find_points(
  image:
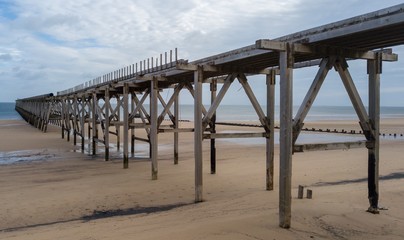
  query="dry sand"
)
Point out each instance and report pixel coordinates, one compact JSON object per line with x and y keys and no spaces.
{"x":71,"y":195}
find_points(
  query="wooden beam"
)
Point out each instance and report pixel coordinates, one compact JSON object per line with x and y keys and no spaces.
{"x":235,"y":135}
{"x":82,"y":122}
{"x":257,"y":107}
{"x":176,"y":126}
{"x":213,"y":89}
{"x":324,"y":50}
{"x":328,"y":146}
{"x":125,"y":126}
{"x":311,"y":95}
{"x":153,"y":127}
{"x":94,"y":123}
{"x":342,"y":68}
{"x":208,"y":116}
{"x":107,"y":124}
{"x":285,"y":137}
{"x":270,"y":145}
{"x":374,"y":71}
{"x":198,"y":79}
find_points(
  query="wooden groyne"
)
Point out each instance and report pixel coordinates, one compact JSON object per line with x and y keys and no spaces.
{"x":115,"y":103}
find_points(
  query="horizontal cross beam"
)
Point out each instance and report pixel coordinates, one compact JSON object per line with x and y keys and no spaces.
{"x":324,"y":50}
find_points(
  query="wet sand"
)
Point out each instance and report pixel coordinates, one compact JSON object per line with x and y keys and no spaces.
{"x":72,"y":195}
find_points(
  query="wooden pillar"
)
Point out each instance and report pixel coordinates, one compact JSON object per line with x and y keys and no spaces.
{"x":118,"y":127}
{"x":89,"y":105}
{"x":68,"y":119}
{"x":125,"y":125}
{"x":213,"y":89}
{"x":106,"y":131}
{"x":153,"y":126}
{"x":132,"y":129}
{"x":83,"y":120}
{"x":198,"y":78}
{"x":374,"y":71}
{"x":176,"y":122}
{"x":75,"y":120}
{"x":285,"y":138}
{"x":62,"y":116}
{"x":94,"y":123}
{"x":270,"y":146}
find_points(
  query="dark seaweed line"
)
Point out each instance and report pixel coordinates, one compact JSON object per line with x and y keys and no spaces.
{"x":391,"y":176}
{"x":104,"y":214}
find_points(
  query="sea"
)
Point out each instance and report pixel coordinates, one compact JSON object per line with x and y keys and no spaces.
{"x":247,"y":113}
{"x":7,"y":111}
{"x":226,"y":113}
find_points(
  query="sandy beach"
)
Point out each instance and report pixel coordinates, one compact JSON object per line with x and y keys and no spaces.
{"x":73,"y":195}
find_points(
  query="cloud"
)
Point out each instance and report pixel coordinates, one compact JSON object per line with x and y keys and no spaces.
{"x":58,"y":44}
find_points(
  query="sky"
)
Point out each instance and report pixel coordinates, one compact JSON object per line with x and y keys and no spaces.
{"x":49,"y":46}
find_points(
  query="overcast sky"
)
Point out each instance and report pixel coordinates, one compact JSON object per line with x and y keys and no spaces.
{"x":49,"y":46}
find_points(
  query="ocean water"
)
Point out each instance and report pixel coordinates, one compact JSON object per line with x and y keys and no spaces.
{"x":7,"y":111}
{"x":247,"y":113}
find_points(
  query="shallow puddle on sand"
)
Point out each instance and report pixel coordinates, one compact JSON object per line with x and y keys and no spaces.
{"x":12,"y":157}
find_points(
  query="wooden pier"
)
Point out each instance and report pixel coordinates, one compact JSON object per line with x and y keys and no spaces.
{"x":115,"y":103}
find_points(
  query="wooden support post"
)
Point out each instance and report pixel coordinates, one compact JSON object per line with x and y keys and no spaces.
{"x":153,"y":126}
{"x":82,"y":122}
{"x":270,"y":146}
{"x":374,"y":71}
{"x":300,"y":192}
{"x":285,"y":138}
{"x":118,"y":127}
{"x":125,"y":125}
{"x":309,"y":194}
{"x":94,"y":123}
{"x":75,"y":120}
{"x":132,"y":130}
{"x":68,"y":120}
{"x":176,"y":122}
{"x":62,"y":116}
{"x":213,"y":89}
{"x":107,"y":122}
{"x":198,"y":79}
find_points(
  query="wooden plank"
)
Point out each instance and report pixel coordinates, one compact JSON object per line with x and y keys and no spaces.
{"x":328,"y":146}
{"x":285,"y":137}
{"x":175,"y":130}
{"x":235,"y":135}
